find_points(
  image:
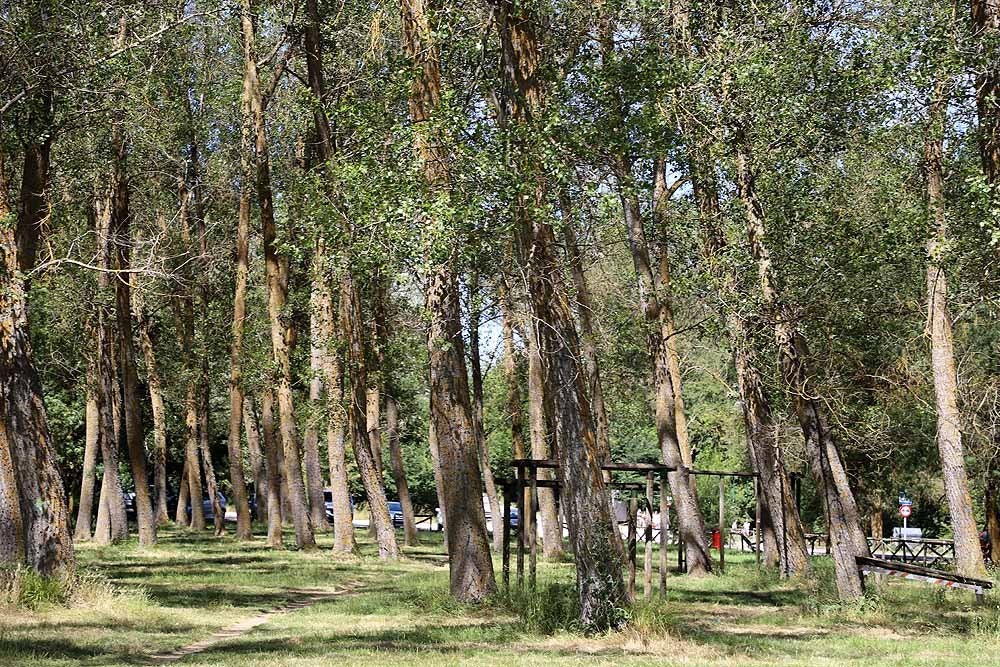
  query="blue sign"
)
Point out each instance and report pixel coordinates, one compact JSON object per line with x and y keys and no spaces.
{"x":903,"y":500}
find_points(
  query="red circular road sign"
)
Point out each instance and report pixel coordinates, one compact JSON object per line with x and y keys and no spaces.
{"x":905,"y":511}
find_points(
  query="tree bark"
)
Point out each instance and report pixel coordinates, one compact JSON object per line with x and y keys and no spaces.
{"x":410,"y":536}
{"x":846,"y":535}
{"x":255,"y":450}
{"x":986,"y":26}
{"x":272,"y":450}
{"x":471,"y":564}
{"x":585,"y":500}
{"x":121,"y":231}
{"x":968,"y":556}
{"x":510,"y":371}
{"x":766,"y":456}
{"x":161,"y":514}
{"x":539,"y":418}
{"x":318,"y":351}
{"x":350,"y":317}
{"x":475,"y":316}
{"x":588,"y":339}
{"x":992,"y":516}
{"x":83,"y":531}
{"x":343,"y":527}
{"x":276,"y":270}
{"x":438,"y":476}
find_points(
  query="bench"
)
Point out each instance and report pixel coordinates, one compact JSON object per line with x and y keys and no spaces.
{"x":925,"y":574}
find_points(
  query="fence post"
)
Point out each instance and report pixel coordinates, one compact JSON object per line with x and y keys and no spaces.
{"x":664,"y":518}
{"x":722,"y":524}
{"x":633,"y":508}
{"x":647,"y":570}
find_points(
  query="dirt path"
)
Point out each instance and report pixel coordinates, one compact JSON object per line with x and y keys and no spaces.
{"x":305,"y":598}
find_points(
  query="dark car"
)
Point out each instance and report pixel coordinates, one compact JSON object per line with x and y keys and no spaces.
{"x":328,"y":505}
{"x":206,"y":507}
{"x":396,"y":513}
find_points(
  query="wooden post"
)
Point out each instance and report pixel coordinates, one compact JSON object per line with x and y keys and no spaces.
{"x":632,"y":511}
{"x":506,"y":538}
{"x":722,"y":524}
{"x":522,"y":519}
{"x":756,"y":532}
{"x":664,"y":508}
{"x":533,"y":536}
{"x":647,"y":569}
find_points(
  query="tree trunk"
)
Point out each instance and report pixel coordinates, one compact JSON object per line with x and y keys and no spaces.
{"x":539,"y":415}
{"x":410,"y":536}
{"x":654,"y":304}
{"x":432,"y":443}
{"x":496,"y":509}
{"x":992,"y":515}
{"x":587,"y":506}
{"x":204,"y":445}
{"x":588,"y":341}
{"x":470,"y":561}
{"x":276,"y":270}
{"x":83,"y":531}
{"x":114,"y":527}
{"x":318,"y":351}
{"x":350,"y":316}
{"x":846,"y":535}
{"x":343,"y":527}
{"x":121,"y":231}
{"x":244,"y":530}
{"x":255,"y":450}
{"x":161,"y":514}
{"x":512,"y":377}
{"x":968,"y":556}
{"x":986,"y":25}
{"x":272,"y":450}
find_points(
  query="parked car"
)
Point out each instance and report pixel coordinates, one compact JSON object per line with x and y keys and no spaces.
{"x":515,"y":519}
{"x":130,"y":511}
{"x":396,"y":513}
{"x":328,"y":504}
{"x":206,"y":507}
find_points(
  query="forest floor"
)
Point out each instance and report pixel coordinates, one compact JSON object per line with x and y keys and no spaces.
{"x":138,"y":606}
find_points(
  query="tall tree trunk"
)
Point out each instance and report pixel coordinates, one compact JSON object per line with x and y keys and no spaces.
{"x":410,"y":536}
{"x":161,"y":515}
{"x":968,"y":556}
{"x":766,"y":456}
{"x":992,"y":514}
{"x":241,"y":270}
{"x":114,"y":528}
{"x":585,"y":500}
{"x":37,"y":530}
{"x":432,"y":443}
{"x":539,"y":418}
{"x":255,"y":450}
{"x":276,"y":270}
{"x":471,"y":565}
{"x":512,"y":377}
{"x":121,"y":231}
{"x":846,"y":535}
{"x":343,"y":527}
{"x":654,"y":304}
{"x":588,"y":340}
{"x":85,"y":510}
{"x":350,"y":317}
{"x":475,"y":317}
{"x":318,"y":351}
{"x":986,"y":24}
{"x":272,"y":451}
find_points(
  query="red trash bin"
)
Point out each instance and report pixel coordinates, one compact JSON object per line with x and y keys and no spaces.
{"x":716,"y":540}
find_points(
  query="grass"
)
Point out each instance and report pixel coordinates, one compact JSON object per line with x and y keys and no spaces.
{"x":130,"y":603}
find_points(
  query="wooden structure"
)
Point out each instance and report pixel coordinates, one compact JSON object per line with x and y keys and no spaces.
{"x":925,"y":574}
{"x":524,"y":488}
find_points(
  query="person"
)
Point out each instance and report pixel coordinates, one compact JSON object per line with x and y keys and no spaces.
{"x":986,"y":545}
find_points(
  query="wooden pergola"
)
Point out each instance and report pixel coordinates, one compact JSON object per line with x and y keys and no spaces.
{"x":524,"y":487}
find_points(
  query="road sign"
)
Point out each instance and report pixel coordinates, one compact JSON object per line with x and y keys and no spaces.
{"x":905,"y":510}
{"x":904,"y":500}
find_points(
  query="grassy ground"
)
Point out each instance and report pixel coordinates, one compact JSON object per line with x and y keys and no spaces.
{"x":135,"y":603}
